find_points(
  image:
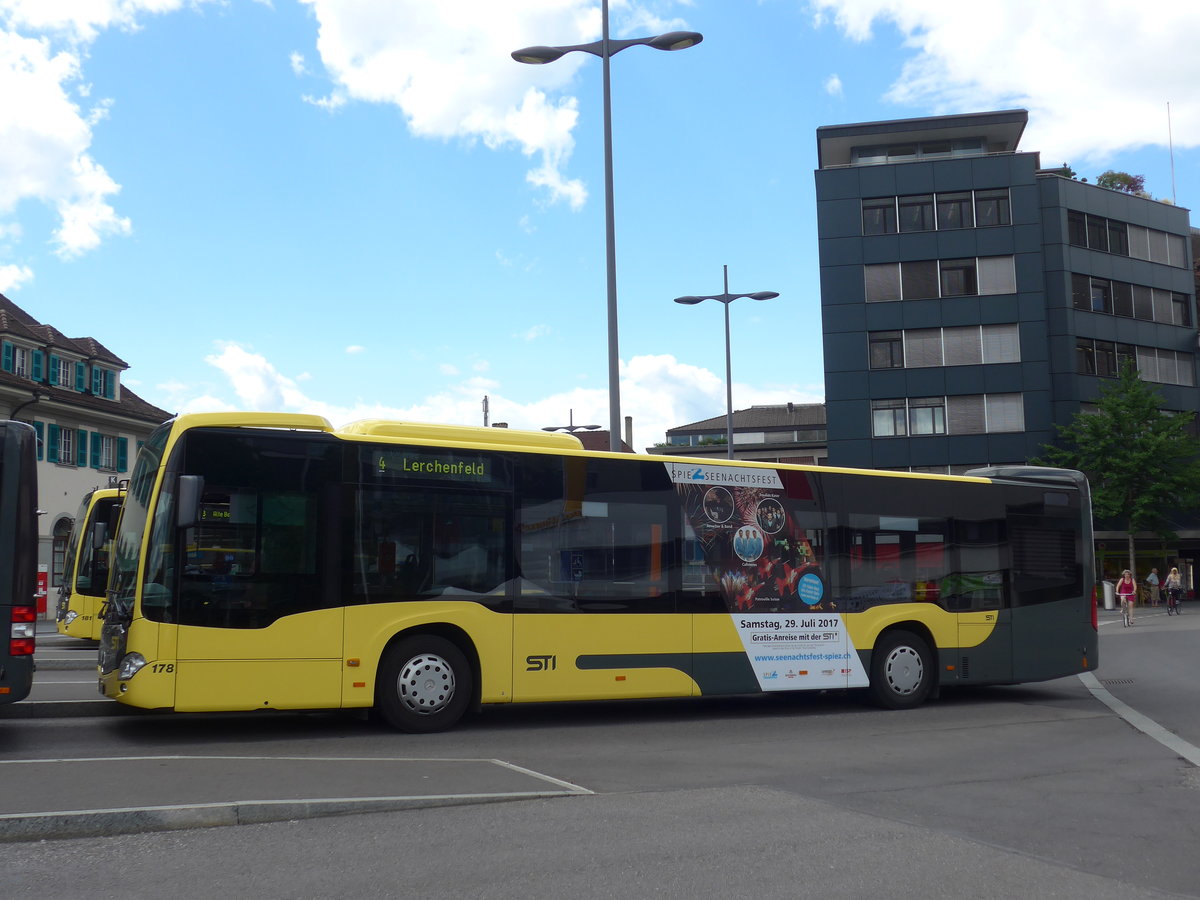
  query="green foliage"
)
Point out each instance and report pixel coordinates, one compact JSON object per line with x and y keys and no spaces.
{"x":1122,"y":181}
{"x":1065,"y":171}
{"x":1142,"y":464}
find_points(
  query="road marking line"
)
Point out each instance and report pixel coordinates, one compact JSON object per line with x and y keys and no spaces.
{"x":1144,"y":724}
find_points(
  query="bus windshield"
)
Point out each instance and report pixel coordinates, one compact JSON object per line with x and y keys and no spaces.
{"x":128,"y":542}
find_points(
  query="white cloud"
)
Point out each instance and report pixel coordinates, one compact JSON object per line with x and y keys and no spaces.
{"x":355,"y":349}
{"x":297,"y":62}
{"x":532,"y":334}
{"x":833,"y":85}
{"x":447,"y":67}
{"x":1095,"y":77}
{"x":13,"y":276}
{"x":658,"y":392}
{"x":45,"y":135}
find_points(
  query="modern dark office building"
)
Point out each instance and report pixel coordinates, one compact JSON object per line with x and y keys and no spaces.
{"x":971,"y":300}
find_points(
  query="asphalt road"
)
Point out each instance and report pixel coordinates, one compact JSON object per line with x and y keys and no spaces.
{"x":1032,"y":791}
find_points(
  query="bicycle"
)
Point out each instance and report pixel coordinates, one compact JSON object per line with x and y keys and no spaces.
{"x":1173,"y":603}
{"x":1126,"y":612}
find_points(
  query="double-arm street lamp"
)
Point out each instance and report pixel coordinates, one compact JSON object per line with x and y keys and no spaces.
{"x":605,"y":48}
{"x":726,"y":298}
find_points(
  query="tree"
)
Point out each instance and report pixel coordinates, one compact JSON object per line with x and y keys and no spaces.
{"x":1122,"y":181}
{"x":1141,"y":462}
{"x":1064,"y":170}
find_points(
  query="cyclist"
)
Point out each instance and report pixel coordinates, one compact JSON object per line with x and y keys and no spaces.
{"x":1127,"y":592}
{"x":1174,"y":585}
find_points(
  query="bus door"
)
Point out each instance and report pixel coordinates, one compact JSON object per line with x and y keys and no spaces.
{"x":259,"y":617}
{"x":595,"y":613}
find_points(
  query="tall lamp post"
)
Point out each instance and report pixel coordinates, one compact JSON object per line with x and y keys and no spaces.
{"x":726,"y":298}
{"x":605,"y":48}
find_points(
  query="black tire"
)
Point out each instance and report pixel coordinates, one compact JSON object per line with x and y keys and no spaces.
{"x":902,"y":671}
{"x":424,"y":684}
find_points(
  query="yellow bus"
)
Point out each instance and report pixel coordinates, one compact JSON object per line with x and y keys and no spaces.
{"x":270,"y":561}
{"x":85,"y":565}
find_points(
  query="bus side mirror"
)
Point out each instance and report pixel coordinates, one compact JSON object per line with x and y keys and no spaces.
{"x":99,"y":535}
{"x":187,"y":508}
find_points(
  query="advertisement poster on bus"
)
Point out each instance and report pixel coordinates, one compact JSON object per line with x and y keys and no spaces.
{"x":769,"y":577}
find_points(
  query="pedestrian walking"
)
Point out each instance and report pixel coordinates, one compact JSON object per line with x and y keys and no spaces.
{"x":1127,"y":592}
{"x":1152,"y":583}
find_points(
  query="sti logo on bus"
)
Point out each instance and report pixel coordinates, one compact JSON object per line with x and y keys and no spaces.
{"x":541,"y":663}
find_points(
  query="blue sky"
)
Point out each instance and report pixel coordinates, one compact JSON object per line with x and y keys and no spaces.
{"x":365,"y":208}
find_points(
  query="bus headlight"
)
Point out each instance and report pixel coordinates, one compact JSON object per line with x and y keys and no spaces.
{"x":70,"y":617}
{"x":130,"y":666}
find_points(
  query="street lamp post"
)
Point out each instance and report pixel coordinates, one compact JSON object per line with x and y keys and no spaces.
{"x":605,"y":48}
{"x":726,"y":298}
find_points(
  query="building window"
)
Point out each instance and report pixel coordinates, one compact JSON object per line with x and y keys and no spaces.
{"x":66,"y":446}
{"x":1123,"y":239}
{"x":886,"y":350}
{"x":1118,"y":238}
{"x":928,"y":279}
{"x":991,"y":208}
{"x":958,"y":278}
{"x":882,"y":281}
{"x":21,"y":362}
{"x":954,"y":211}
{"x":887,"y":418}
{"x":1180,"y":310}
{"x":916,"y":213}
{"x":1005,"y":413}
{"x":64,"y":372}
{"x":919,"y":279}
{"x":927,"y":415}
{"x":1101,"y":296}
{"x":962,"y":346}
{"x":1106,"y":359}
{"x":1077,"y":228}
{"x":923,"y":348}
{"x":104,"y":451}
{"x":997,"y":275}
{"x":879,"y":216}
{"x":1001,"y":344}
{"x":1097,"y":233}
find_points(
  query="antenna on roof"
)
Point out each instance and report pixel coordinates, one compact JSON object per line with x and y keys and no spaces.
{"x":1171,"y":149}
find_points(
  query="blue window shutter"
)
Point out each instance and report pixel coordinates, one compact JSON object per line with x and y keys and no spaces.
{"x":53,"y":369}
{"x":8,"y":356}
{"x":40,"y":428}
{"x":52,"y":443}
{"x":81,"y":448}
{"x":110,"y":385}
{"x":80,"y":376}
{"x":97,"y":381}
{"x":122,"y":454}
{"x":96,"y":441}
{"x":38,"y":360}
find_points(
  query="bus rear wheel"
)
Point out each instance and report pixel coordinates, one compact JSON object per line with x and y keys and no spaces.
{"x":424,"y":684}
{"x":902,"y":671}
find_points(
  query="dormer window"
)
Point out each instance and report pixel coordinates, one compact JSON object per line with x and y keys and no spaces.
{"x":63,"y":373}
{"x":104,"y":383}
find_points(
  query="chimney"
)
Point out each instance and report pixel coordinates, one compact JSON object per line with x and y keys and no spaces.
{"x":629,"y":431}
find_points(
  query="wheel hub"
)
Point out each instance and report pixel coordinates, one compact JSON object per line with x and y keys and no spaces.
{"x":425,"y":684}
{"x":904,"y":670}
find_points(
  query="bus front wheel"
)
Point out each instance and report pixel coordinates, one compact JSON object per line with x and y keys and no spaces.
{"x":424,"y":684}
{"x":902,"y":670}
